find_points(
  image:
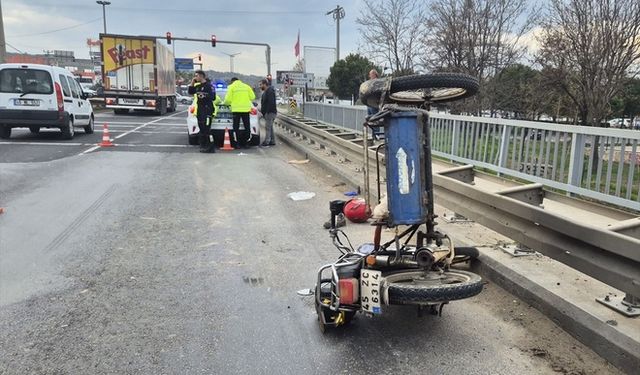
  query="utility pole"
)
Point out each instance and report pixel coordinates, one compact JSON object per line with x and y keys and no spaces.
{"x":104,"y":13}
{"x":231,"y":56}
{"x":338,"y":14}
{"x":3,"y":42}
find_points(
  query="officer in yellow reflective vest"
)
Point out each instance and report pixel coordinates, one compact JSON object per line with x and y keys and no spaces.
{"x":239,"y":96}
{"x":203,"y":99}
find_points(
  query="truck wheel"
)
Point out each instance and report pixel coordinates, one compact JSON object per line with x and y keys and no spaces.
{"x":34,"y":129}
{"x":413,"y":287}
{"x":172,"y":104}
{"x":68,"y":131}
{"x":161,"y":107}
{"x":5,"y":132}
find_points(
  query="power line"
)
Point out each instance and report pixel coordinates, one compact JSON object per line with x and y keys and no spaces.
{"x":13,"y":47}
{"x":54,"y":31}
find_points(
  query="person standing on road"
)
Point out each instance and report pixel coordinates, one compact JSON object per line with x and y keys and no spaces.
{"x":203,"y":98}
{"x":269,"y":111}
{"x":239,"y":97}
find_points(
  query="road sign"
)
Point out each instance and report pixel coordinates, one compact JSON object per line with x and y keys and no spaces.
{"x":294,"y":79}
{"x":184,"y":64}
{"x":293,"y":103}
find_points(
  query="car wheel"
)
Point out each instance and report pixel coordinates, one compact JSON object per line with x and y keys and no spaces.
{"x":88,"y":129}
{"x":184,"y":101}
{"x":5,"y":132}
{"x":68,"y":131}
{"x":34,"y":129}
{"x":193,"y":140}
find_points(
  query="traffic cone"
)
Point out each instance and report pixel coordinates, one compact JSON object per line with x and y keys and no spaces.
{"x":106,"y":141}
{"x":226,"y":146}
{"x":1,"y":210}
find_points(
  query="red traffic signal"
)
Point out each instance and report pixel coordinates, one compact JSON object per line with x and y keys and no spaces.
{"x":213,"y":40}
{"x":199,"y":57}
{"x":168,"y":37}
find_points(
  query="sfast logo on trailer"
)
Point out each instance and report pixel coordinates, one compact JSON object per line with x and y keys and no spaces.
{"x":121,"y":52}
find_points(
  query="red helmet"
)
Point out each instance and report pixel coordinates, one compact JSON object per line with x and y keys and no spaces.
{"x":356,"y":210}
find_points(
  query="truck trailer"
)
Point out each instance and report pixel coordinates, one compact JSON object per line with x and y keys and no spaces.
{"x":138,"y":72}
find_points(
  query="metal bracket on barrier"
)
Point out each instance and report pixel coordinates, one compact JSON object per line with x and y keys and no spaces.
{"x":455,"y":218}
{"x":463,"y":173}
{"x":517,"y":250}
{"x":629,"y":227}
{"x":628,"y":305}
{"x":532,"y":193}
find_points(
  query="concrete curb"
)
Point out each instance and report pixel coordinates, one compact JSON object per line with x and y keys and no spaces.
{"x":609,"y":343}
{"x":618,"y":349}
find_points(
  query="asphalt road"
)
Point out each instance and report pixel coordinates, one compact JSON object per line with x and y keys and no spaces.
{"x":150,"y":258}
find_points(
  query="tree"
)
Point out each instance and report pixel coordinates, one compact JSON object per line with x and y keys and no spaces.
{"x":391,"y":31}
{"x":347,"y":75}
{"x":476,"y":37}
{"x":515,"y":88}
{"x":299,"y":66}
{"x":588,"y":48}
{"x":627,"y":103}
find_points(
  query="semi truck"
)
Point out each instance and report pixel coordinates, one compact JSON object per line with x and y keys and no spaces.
{"x":138,"y":72}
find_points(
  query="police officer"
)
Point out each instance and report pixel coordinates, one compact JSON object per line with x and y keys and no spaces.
{"x":203,"y":99}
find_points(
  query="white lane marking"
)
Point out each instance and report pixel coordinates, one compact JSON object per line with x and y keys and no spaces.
{"x":134,"y":129}
{"x":142,"y":132}
{"x":143,"y":123}
{"x":43,"y":144}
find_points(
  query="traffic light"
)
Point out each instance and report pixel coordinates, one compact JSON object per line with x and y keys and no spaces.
{"x":168,"y":37}
{"x":213,"y":40}
{"x":199,"y":57}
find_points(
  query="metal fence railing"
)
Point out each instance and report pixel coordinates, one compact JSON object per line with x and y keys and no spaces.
{"x":558,"y":156}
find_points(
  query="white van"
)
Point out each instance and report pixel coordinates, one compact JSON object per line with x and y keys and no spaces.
{"x":41,"y":96}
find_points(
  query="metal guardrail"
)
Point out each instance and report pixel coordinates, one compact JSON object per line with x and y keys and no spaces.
{"x":608,"y":255}
{"x":555,"y":155}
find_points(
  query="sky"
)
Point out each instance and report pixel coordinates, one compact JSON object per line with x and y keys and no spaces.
{"x":33,"y":26}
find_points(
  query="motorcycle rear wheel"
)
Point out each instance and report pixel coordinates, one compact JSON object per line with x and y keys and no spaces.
{"x":414,"y":287}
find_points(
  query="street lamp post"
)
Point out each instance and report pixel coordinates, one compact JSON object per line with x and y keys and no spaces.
{"x":104,"y":13}
{"x":231,"y":56}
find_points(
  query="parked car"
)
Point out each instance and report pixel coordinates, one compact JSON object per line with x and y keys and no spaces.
{"x":41,"y":96}
{"x":183,"y":99}
{"x":223,"y":120}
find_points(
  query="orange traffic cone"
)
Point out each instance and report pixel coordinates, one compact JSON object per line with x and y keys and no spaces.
{"x":226,"y":146}
{"x":106,"y":141}
{"x":1,"y":210}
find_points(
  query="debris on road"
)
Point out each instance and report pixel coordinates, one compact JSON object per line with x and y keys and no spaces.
{"x":301,"y":195}
{"x":305,"y":161}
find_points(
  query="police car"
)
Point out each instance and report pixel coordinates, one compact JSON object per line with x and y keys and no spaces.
{"x":223,"y":120}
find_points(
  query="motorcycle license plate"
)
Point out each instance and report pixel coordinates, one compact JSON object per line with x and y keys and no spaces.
{"x":370,"y":291}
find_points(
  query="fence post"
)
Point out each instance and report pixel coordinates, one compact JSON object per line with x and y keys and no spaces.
{"x":455,"y":138}
{"x":503,"y":155}
{"x":576,"y":160}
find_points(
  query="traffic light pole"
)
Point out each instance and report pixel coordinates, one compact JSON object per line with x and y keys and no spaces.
{"x":268,"y":47}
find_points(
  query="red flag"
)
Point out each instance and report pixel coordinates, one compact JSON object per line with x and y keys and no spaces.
{"x":296,"y":48}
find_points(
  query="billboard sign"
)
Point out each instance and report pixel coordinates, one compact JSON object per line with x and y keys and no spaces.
{"x":184,"y":64}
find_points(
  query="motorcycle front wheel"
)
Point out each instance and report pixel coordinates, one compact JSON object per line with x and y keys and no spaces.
{"x":413,"y":287}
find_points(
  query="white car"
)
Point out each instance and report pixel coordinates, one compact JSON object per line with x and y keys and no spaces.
{"x":223,"y":120}
{"x":183,"y":99}
{"x":41,"y":96}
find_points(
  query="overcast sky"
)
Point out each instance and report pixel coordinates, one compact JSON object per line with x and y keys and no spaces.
{"x":30,"y":26}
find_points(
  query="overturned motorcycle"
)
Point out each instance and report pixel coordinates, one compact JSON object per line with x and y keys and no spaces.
{"x":399,"y":271}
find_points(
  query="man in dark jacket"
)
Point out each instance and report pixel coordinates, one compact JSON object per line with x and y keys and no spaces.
{"x":269,"y":111}
{"x":203,"y":97}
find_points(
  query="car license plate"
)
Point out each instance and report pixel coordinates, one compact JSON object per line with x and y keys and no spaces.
{"x":370,"y":291}
{"x":26,"y":102}
{"x":130,"y":101}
